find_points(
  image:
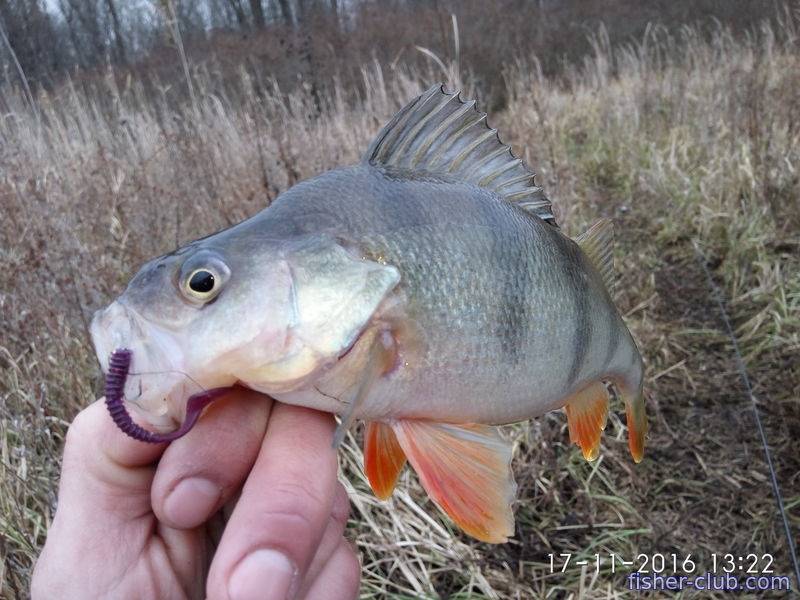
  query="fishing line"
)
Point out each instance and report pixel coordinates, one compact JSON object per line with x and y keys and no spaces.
{"x":168,"y":372}
{"x":776,"y":490}
{"x":119,"y":363}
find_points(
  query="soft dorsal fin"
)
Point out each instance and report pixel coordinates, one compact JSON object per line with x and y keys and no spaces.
{"x":597,"y":243}
{"x":440,"y":133}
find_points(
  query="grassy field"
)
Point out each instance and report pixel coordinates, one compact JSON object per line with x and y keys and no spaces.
{"x":681,"y":140}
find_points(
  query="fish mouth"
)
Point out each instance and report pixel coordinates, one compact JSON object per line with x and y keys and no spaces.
{"x":156,"y":386}
{"x":119,"y":363}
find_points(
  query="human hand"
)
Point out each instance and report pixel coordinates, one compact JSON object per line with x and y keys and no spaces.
{"x":136,"y":520}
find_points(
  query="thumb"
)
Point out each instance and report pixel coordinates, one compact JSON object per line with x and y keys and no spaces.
{"x":105,"y":475}
{"x":103,"y":495}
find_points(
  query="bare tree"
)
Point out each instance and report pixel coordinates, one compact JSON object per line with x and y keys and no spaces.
{"x":286,"y":11}
{"x":89,"y":30}
{"x":257,"y":9}
{"x":73,"y":31}
{"x":238,"y":10}
{"x":118,"y":37}
{"x":30,"y":33}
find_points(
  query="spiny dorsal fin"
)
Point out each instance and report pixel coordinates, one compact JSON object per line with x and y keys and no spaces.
{"x":440,"y":133}
{"x":597,"y":243}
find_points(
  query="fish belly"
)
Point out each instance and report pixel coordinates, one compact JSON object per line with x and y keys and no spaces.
{"x":477,"y":380}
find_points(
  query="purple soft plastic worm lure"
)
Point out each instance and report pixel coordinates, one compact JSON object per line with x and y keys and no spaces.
{"x":118,"y":364}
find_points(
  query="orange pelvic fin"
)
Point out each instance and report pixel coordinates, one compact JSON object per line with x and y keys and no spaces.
{"x":383,"y":458}
{"x":466,"y":471}
{"x":587,"y":412}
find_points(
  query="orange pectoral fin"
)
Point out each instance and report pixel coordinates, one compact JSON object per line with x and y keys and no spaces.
{"x":383,"y":459}
{"x":466,"y":471}
{"x":587,"y":412}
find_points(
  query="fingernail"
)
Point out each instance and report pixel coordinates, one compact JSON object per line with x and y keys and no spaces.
{"x":262,"y":575}
{"x":191,"y":502}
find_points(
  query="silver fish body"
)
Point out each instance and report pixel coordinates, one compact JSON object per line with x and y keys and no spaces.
{"x":426,"y":290}
{"x":509,"y":317}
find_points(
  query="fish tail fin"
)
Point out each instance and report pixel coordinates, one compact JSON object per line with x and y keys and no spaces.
{"x":636,"y":418}
{"x":597,"y":243}
{"x":587,"y":412}
{"x":637,"y":425}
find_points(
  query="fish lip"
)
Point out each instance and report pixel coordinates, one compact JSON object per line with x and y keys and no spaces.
{"x":159,"y":401}
{"x":136,"y":324}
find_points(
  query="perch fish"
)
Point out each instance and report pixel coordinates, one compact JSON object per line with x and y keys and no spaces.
{"x":427,"y":291}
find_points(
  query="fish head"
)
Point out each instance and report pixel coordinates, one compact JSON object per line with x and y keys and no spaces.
{"x":194,"y":320}
{"x":268,"y":314}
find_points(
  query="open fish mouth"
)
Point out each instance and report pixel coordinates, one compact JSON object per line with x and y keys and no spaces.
{"x":118,"y":366}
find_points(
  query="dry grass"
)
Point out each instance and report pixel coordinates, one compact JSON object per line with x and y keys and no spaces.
{"x":678,"y":139}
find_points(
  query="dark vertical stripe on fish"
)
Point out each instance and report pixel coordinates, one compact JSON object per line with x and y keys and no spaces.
{"x":512,"y":318}
{"x":583,"y":331}
{"x":615,"y":336}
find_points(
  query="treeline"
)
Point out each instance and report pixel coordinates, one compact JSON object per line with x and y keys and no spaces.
{"x":49,"y":36}
{"x":315,"y":41}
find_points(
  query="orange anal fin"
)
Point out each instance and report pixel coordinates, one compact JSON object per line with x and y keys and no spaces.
{"x":587,"y":412}
{"x":466,"y":471}
{"x":637,"y":424}
{"x":383,"y":458}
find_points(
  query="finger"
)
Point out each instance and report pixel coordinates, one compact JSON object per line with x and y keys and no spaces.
{"x":105,"y":474}
{"x":285,"y":505}
{"x":202,"y":470}
{"x":340,"y":578}
{"x":330,"y":539}
{"x":104,"y":494}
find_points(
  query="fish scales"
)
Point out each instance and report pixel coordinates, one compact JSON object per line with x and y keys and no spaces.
{"x":485,"y":281}
{"x":426,"y":291}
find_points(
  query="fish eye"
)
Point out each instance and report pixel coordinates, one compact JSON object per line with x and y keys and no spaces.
{"x":202,"y":284}
{"x":202,"y":281}
{"x":202,"y":277}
